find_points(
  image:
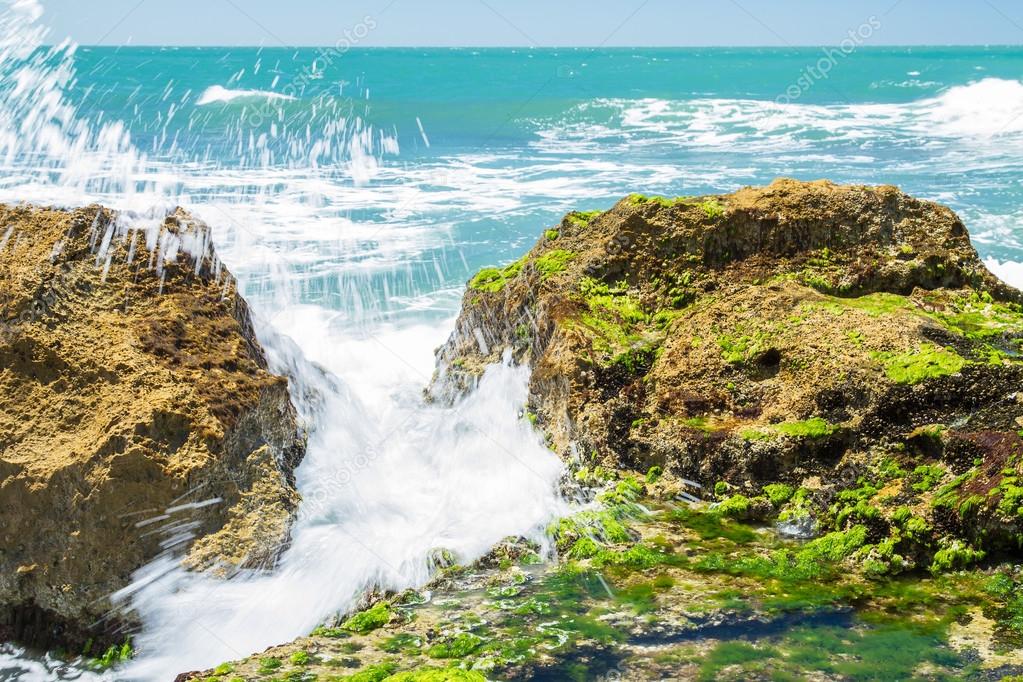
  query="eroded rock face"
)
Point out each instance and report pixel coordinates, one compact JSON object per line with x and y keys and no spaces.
{"x":137,"y":416}
{"x":811,"y":334}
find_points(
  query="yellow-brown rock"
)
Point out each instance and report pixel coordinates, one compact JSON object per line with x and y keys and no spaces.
{"x":137,"y":416}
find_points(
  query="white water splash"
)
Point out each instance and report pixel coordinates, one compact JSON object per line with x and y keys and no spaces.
{"x":386,"y":483}
{"x":387,"y":479}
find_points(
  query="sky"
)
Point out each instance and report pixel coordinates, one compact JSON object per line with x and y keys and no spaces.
{"x":536,"y":23}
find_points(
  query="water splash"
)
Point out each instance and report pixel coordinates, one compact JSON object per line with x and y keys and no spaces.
{"x":387,"y":479}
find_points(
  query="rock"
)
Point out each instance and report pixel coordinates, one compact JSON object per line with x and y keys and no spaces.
{"x":773,"y":335}
{"x":137,"y":416}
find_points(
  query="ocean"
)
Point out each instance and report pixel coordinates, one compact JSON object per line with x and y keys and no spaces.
{"x":354,"y":192}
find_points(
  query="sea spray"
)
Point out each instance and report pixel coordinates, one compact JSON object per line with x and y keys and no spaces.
{"x":387,"y":482}
{"x":388,"y":479}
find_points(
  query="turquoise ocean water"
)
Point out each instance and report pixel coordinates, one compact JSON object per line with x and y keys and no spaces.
{"x":354,"y":194}
{"x":464,"y":155}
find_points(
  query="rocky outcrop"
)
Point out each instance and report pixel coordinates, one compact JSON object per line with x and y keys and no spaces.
{"x":843,"y":341}
{"x":137,"y":416}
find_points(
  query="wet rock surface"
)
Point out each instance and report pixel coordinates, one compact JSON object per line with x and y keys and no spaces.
{"x":137,"y":416}
{"x":648,"y":589}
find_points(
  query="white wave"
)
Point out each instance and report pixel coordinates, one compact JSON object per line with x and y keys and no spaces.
{"x":988,"y":112}
{"x":218,"y":93}
{"x":1010,"y":272}
{"x":992,"y":107}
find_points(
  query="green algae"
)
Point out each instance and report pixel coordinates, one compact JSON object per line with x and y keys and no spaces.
{"x":437,"y":675}
{"x":403,"y":643}
{"x":978,"y":317}
{"x":879,"y":304}
{"x":614,"y":299}
{"x":955,"y":554}
{"x":737,"y":349}
{"x":114,"y":655}
{"x":863,"y":653}
{"x":459,"y":646}
{"x":616,"y":322}
{"x":582,"y":218}
{"x":624,"y":492}
{"x":754,"y":435}
{"x":493,"y":280}
{"x":269,"y":664}
{"x":926,"y":476}
{"x":712,"y":208}
{"x":370,"y":619}
{"x":563,"y":610}
{"x":814,"y":427}
{"x":637,"y":557}
{"x":834,"y":546}
{"x":300,"y":658}
{"x":729,"y":654}
{"x":736,"y":507}
{"x":553,"y":262}
{"x":592,"y":528}
{"x":374,"y":673}
{"x":915,"y":367}
{"x":712,"y":526}
{"x":779,"y":493}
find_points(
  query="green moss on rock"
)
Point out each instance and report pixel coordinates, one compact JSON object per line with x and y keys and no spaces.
{"x":370,"y":619}
{"x":927,"y":362}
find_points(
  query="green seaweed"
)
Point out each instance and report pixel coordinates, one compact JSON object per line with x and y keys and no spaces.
{"x":712,"y":208}
{"x":493,"y":280}
{"x":114,"y":655}
{"x":269,"y":664}
{"x":927,"y":362}
{"x":553,"y":262}
{"x":459,"y":646}
{"x":813,"y":428}
{"x":370,"y":619}
{"x":437,"y":675}
{"x":582,"y":218}
{"x":373,"y":673}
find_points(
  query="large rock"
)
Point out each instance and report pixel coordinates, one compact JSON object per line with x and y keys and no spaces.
{"x":137,"y":416}
{"x":838,"y":338}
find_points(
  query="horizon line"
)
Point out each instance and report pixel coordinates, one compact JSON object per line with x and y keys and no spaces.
{"x":548,"y":47}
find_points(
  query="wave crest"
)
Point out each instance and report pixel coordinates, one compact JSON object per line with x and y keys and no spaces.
{"x":218,"y":93}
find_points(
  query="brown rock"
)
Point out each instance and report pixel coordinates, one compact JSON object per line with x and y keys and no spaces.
{"x":135,"y":409}
{"x":774,"y":334}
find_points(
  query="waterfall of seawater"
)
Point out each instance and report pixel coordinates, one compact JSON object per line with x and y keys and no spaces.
{"x":387,"y":479}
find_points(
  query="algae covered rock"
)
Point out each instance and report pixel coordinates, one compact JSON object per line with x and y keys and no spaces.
{"x":137,"y":416}
{"x":845,"y":341}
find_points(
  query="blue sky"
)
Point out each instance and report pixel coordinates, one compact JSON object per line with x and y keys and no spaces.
{"x":542,"y":23}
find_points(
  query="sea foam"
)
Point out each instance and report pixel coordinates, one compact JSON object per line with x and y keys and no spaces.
{"x":218,"y":93}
